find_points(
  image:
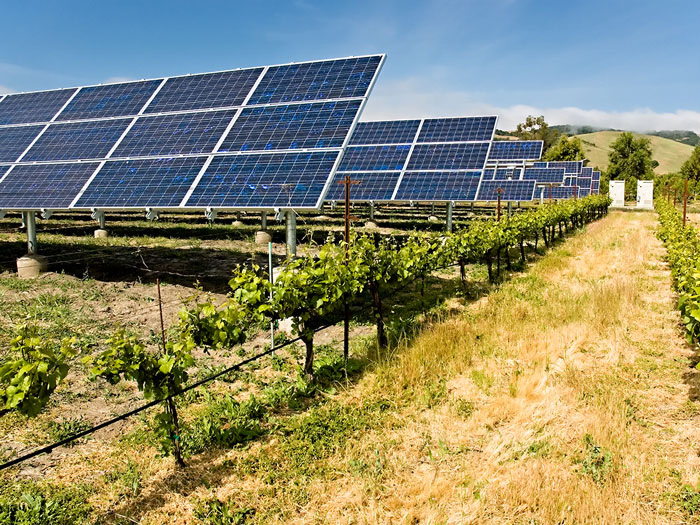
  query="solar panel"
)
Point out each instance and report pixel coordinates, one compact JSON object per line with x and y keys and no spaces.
{"x":596,"y":176}
{"x":463,"y":129}
{"x":36,"y":186}
{"x":375,"y":158}
{"x":111,"y":100}
{"x":501,"y":173}
{"x":448,"y":156}
{"x":511,"y":190}
{"x":583,"y":182}
{"x":438,"y":159}
{"x":211,"y":90}
{"x":519,"y":150}
{"x":571,"y":166}
{"x":25,"y":108}
{"x":438,"y":186}
{"x":284,"y":180}
{"x":77,"y":140}
{"x":545,"y":175}
{"x":298,"y":126}
{"x":584,"y":192}
{"x":595,"y":187}
{"x":373,"y":186}
{"x":141,"y":183}
{"x":179,"y":134}
{"x":345,"y":78}
{"x":586,"y":171}
{"x":15,"y":140}
{"x":161,"y":142}
{"x":540,"y":164}
{"x":385,"y":132}
{"x":561,"y":192}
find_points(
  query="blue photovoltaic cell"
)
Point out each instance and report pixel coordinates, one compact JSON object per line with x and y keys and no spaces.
{"x":346,"y":78}
{"x":384,"y":132}
{"x":448,"y":157}
{"x":584,"y":192}
{"x":547,"y":175}
{"x":466,"y":129}
{"x":297,"y":126}
{"x":374,"y":158}
{"x":540,"y":164}
{"x":515,"y":150}
{"x":264,"y":180}
{"x":113,"y":100}
{"x":36,"y":186}
{"x":561,"y":192}
{"x":33,"y":107}
{"x":210,"y":90}
{"x":77,"y":140}
{"x":595,"y":186}
{"x":373,"y":186}
{"x":596,"y":176}
{"x":569,"y":180}
{"x":502,"y":174}
{"x":439,"y":186}
{"x":512,"y":190}
{"x":174,"y":134}
{"x":586,"y":172}
{"x":583,"y":182}
{"x":571,"y":166}
{"x":14,"y":140}
{"x":141,"y":183}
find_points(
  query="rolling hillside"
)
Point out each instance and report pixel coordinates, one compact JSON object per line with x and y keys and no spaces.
{"x":669,"y":153}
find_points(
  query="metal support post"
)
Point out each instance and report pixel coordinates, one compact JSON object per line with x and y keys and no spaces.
{"x":30,"y":222}
{"x":263,"y":220}
{"x":450,"y":205}
{"x":371,"y":211}
{"x":291,"y":233}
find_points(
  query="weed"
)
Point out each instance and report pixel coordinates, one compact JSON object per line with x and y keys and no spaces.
{"x":598,"y":462}
{"x":482,"y":380}
{"x":464,"y":407}
{"x":434,"y":393}
{"x":689,"y":500}
{"x":128,"y":478}
{"x":216,"y":512}
{"x":67,"y":427}
{"x":27,"y":503}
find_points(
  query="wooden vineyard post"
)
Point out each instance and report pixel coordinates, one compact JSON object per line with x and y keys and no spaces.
{"x":175,"y":437}
{"x":685,"y":201}
{"x":346,"y":317}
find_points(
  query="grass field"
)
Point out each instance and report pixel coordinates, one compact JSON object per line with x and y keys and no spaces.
{"x":669,"y":153}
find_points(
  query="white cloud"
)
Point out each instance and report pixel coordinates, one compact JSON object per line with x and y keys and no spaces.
{"x":408,"y":98}
{"x":116,"y":80}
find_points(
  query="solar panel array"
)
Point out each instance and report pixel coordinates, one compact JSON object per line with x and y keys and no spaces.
{"x":256,"y":138}
{"x":416,"y":160}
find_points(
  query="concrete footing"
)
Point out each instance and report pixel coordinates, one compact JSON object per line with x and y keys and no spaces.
{"x":101,"y":234}
{"x":262,"y":237}
{"x":433,"y":218}
{"x":237,"y":224}
{"x":370,"y":224}
{"x":30,"y":266}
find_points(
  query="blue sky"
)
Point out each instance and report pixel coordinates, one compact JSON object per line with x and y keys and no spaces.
{"x":619,"y":63}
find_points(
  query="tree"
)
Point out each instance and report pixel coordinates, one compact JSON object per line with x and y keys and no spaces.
{"x":691,"y":167}
{"x":566,"y":149}
{"x":535,"y":128}
{"x":630,"y":159}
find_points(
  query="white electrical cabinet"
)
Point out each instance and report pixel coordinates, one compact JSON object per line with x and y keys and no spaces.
{"x":617,"y":193}
{"x":645,"y":194}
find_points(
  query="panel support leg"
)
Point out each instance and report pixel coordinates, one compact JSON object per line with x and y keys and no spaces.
{"x":262,"y":237}
{"x":99,"y":216}
{"x":291,"y":233}
{"x":32,"y":264}
{"x":450,"y":205}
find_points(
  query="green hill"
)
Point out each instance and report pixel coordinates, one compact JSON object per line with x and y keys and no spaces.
{"x":669,"y":153}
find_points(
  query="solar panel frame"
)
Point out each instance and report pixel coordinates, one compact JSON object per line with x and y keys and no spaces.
{"x":362,"y":84}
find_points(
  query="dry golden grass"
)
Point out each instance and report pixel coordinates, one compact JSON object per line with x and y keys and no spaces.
{"x":586,"y":343}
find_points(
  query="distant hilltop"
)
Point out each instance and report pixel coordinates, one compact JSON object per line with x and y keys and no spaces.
{"x":687,"y":137}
